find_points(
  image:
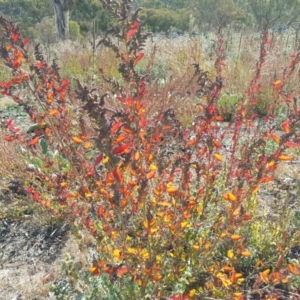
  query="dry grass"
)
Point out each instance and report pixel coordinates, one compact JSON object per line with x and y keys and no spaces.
{"x":241,"y":60}
{"x":287,"y":170}
{"x":11,"y":164}
{"x":6,"y":101}
{"x":169,"y":62}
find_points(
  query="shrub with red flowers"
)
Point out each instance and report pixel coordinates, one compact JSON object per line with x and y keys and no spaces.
{"x":174,"y":209}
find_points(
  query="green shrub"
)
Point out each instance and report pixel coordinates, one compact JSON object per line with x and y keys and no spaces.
{"x":74,"y":31}
{"x":45,"y":31}
{"x":162,"y":20}
{"x":228,"y":105}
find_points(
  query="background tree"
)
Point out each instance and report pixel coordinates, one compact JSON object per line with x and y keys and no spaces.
{"x":90,"y":13}
{"x":284,"y":11}
{"x":61,"y":12}
{"x":27,"y":13}
{"x":30,"y":13}
{"x":44,"y":31}
{"x":163,"y":19}
{"x":207,"y":11}
{"x":157,"y":15}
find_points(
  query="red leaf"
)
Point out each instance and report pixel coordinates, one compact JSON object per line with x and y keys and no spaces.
{"x":286,"y":126}
{"x":142,"y":90}
{"x":30,"y":190}
{"x":129,"y":102}
{"x":122,"y":149}
{"x":16,"y":80}
{"x":18,"y":59}
{"x":36,"y":197}
{"x":135,"y":25}
{"x":191,"y":142}
{"x":121,"y":138}
{"x":25,"y":41}
{"x":40,"y":64}
{"x":102,"y":212}
{"x":143,"y":123}
{"x":115,"y":127}
{"x":217,"y":143}
{"x":34,"y":141}
{"x":139,"y":57}
{"x":9,"y":138}
{"x":131,"y":33}
{"x":292,"y":145}
{"x":127,"y":129}
{"x":122,"y":271}
{"x":65,"y":83}
{"x":266,"y":179}
{"x":212,"y":109}
{"x":117,"y":175}
{"x":98,"y":159}
{"x":247,"y":217}
{"x":14,"y":36}
{"x":219,"y":118}
{"x":276,"y":138}
{"x":7,"y":85}
{"x":277,"y":87}
{"x":9,"y":122}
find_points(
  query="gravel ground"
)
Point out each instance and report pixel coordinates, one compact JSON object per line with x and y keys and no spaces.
{"x":28,"y":252}
{"x":31,"y":257}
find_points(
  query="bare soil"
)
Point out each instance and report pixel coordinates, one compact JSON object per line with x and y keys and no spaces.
{"x":31,"y":254}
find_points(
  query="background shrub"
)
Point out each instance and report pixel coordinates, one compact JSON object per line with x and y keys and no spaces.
{"x":74,"y":31}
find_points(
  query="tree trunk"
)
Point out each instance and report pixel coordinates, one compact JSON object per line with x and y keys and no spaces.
{"x":61,"y":11}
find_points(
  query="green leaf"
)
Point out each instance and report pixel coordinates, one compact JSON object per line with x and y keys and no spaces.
{"x":37,"y":162}
{"x":35,"y":127}
{"x":44,"y":145}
